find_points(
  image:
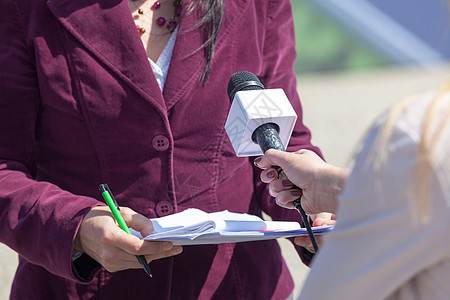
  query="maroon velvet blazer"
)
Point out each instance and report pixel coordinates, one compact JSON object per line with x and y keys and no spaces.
{"x":80,"y":106}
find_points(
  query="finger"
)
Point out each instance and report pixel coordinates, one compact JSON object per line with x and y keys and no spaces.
{"x":319,"y":222}
{"x":329,"y":222}
{"x":285,"y":198}
{"x":301,"y":241}
{"x":305,"y":242}
{"x":323,"y":218}
{"x":269,"y":175}
{"x":137,"y":221}
{"x":130,"y":261}
{"x":125,"y":257}
{"x":272,"y":158}
{"x":174,"y":251}
{"x":115,"y":259}
{"x":257,"y":160}
{"x":281,"y":184}
{"x":272,"y":192}
{"x":131,"y":244}
{"x":135,"y":246}
{"x":145,"y":227}
{"x":323,"y":222}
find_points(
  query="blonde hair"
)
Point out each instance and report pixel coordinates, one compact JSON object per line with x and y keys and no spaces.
{"x":431,"y":132}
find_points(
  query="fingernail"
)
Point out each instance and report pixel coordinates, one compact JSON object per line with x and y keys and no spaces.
{"x":270,"y":175}
{"x":287,"y":183}
{"x":168,"y":246}
{"x":310,"y":249}
{"x":296,"y":193}
{"x":257,"y":160}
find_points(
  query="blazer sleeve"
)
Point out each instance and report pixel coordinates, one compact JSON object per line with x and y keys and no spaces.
{"x":37,"y":219}
{"x":278,"y":72}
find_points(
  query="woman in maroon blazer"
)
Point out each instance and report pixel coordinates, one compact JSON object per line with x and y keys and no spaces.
{"x":80,"y":105}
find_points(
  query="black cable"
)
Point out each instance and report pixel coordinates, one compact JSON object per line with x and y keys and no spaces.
{"x":299,"y":207}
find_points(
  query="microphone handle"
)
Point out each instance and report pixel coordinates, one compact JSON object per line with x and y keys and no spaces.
{"x":266,"y":136}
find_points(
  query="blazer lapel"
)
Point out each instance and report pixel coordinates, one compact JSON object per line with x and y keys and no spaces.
{"x":187,"y":60}
{"x":106,"y":28}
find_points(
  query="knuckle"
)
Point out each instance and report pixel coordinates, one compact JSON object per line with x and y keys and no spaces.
{"x":111,"y":269}
{"x":301,"y":151}
{"x":107,"y":237}
{"x":279,"y":201}
{"x":273,"y":193}
{"x":135,"y":249}
{"x":269,"y":152}
{"x":281,"y":197}
{"x":126,"y":210}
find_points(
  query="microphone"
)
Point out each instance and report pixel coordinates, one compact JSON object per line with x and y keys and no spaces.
{"x":260,"y":120}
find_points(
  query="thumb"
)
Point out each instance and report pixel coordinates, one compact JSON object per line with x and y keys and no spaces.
{"x":273,"y":157}
{"x":137,"y":221}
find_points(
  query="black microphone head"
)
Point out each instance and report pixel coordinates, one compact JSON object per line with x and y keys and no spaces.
{"x":243,"y":81}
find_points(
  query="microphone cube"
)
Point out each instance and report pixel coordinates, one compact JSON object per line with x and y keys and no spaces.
{"x":253,"y":108}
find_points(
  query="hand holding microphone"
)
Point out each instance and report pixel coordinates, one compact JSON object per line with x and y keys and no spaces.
{"x":319,"y":181}
{"x":260,"y":120}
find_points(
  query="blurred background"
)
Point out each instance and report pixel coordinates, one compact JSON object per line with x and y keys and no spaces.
{"x":347,"y":35}
{"x":355,"y":60}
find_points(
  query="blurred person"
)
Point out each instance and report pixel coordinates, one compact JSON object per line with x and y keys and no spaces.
{"x":133,"y":94}
{"x":393,"y":215}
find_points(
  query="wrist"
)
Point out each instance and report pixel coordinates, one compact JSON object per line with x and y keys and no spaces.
{"x":333,"y":179}
{"x":337,"y":184}
{"x":338,"y":178}
{"x":77,"y":243}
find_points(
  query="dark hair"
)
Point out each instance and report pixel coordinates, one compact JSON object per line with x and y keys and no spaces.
{"x":210,"y":13}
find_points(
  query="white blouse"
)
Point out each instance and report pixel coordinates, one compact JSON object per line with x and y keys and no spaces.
{"x":161,"y":67}
{"x":378,"y":250}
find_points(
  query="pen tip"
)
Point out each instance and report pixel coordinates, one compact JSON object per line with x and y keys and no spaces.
{"x":148,"y":273}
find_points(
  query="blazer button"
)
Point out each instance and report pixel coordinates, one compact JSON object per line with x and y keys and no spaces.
{"x":164,"y":208}
{"x":160,"y":143}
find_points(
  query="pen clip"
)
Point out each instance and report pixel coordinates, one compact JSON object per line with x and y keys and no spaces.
{"x":105,"y":187}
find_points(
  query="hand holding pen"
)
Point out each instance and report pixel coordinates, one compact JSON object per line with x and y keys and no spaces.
{"x":101,"y":238}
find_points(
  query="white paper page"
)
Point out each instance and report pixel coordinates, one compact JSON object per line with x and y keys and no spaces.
{"x":237,"y":221}
{"x":281,"y":226}
{"x":182,"y":219}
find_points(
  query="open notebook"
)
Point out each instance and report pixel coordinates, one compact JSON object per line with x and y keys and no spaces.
{"x":196,"y":227}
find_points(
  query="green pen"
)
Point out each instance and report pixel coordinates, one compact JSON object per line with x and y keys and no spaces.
{"x":114,"y":207}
